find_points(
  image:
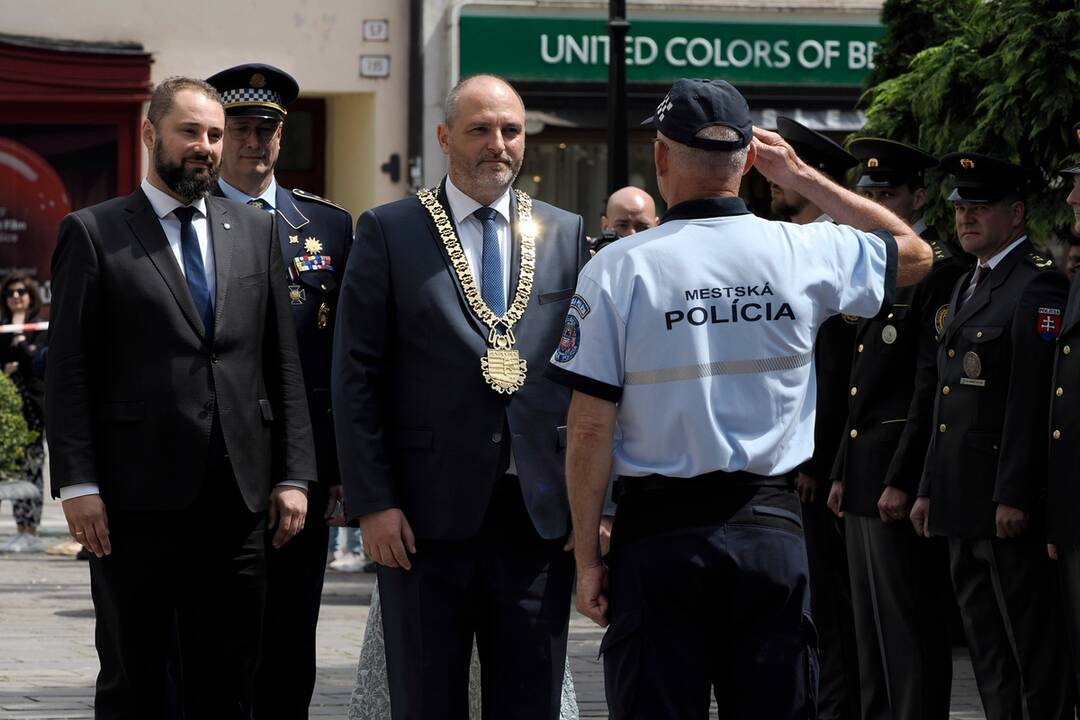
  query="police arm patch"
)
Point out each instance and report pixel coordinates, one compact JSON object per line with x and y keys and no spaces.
{"x":579,"y":304}
{"x":1048,"y":323}
{"x":570,"y":340}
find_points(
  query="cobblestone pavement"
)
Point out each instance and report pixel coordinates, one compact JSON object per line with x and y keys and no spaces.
{"x":48,"y":662}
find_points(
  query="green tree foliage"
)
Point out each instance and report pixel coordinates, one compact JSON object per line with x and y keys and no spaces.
{"x":1005,"y":81}
{"x":14,"y":433}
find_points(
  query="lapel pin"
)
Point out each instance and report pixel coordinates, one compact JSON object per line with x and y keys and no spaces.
{"x":227,"y":226}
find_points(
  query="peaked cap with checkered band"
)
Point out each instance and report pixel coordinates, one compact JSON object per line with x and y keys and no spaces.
{"x":255,"y":90}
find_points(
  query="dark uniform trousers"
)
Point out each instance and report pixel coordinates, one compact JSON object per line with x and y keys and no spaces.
{"x":1069,"y":572}
{"x":825,"y":546}
{"x":709,"y":592}
{"x":989,"y":448}
{"x":901,"y":598}
{"x":508,"y":587}
{"x":185,"y":586}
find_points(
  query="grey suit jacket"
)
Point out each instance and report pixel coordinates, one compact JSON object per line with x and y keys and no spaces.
{"x":133,"y":383}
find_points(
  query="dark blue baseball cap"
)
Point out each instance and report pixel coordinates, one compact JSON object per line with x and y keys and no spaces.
{"x":693,"y":105}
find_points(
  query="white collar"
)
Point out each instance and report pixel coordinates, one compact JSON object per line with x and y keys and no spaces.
{"x":462,"y":206}
{"x":164,"y":203}
{"x":268,"y":196}
{"x":824,"y":217}
{"x":993,"y":261}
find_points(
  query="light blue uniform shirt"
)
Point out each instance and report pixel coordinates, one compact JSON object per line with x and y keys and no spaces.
{"x":703,"y":330}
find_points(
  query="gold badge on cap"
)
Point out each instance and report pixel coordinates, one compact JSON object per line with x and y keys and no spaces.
{"x":850,"y":319}
{"x":888,"y":334}
{"x":312,"y":246}
{"x":257,"y":81}
{"x":972,"y":364}
{"x":297,"y":295}
{"x":323,"y":321}
{"x":872,"y":163}
{"x":294,"y":239}
{"x":967,"y":163}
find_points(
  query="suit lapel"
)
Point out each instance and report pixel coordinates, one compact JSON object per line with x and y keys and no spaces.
{"x":473,"y":320}
{"x":290,"y":222}
{"x":982,"y":295}
{"x":220,"y":225}
{"x":146,"y":227}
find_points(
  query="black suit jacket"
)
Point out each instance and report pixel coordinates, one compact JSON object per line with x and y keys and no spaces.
{"x":988,"y":444}
{"x":417,"y":426}
{"x":133,"y":384}
{"x":313,"y":297}
{"x":890,"y":397}
{"x":1063,"y":491}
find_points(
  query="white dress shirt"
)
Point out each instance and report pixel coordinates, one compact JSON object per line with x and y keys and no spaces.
{"x":471,"y":235}
{"x":471,"y":230}
{"x":991,"y":263}
{"x":163,"y":205}
{"x":268,"y":196}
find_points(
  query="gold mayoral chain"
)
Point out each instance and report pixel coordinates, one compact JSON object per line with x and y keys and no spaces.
{"x":504,"y":369}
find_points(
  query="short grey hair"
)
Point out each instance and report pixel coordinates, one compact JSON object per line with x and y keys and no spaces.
{"x":709,"y":162}
{"x":450,"y":107}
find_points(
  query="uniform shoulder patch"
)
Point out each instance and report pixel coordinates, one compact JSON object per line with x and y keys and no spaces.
{"x":1048,"y":323}
{"x":1039,"y":261}
{"x":939,"y":318}
{"x":941,"y":251}
{"x":305,"y":195}
{"x":579,"y":304}
{"x":570,"y":340}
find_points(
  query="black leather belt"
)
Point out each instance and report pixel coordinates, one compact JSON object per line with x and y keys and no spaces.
{"x":714,"y":482}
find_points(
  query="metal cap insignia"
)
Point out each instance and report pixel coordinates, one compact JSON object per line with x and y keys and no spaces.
{"x":258,"y":80}
{"x":872,"y":163}
{"x":967,"y":163}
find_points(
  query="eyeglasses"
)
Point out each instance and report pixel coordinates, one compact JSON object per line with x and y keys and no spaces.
{"x":13,"y":292}
{"x":240,"y":132}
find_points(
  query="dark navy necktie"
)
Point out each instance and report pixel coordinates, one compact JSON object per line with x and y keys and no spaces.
{"x":194,"y":270}
{"x":491,"y":275}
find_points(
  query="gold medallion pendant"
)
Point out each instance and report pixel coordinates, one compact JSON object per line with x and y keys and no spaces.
{"x":503,"y":367}
{"x":504,"y":370}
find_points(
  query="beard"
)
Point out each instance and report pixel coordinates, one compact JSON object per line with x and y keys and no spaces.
{"x":188,"y":184}
{"x":486,"y":178}
{"x":786,"y":208}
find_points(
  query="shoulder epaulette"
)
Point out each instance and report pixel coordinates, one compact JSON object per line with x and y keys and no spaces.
{"x":303,"y":194}
{"x":941,"y":250}
{"x":1039,"y":261}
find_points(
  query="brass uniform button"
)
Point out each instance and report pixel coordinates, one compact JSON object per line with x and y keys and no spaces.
{"x":1057,"y":434}
{"x":941,"y":427}
{"x":854,"y":391}
{"x":860,"y":347}
{"x":945,"y":390}
{"x":952,"y":353}
{"x":978,"y":334}
{"x":1066,"y":350}
{"x":854,"y":434}
{"x":1059,"y":392}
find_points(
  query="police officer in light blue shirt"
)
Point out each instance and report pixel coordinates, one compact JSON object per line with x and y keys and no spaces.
{"x":696,"y":340}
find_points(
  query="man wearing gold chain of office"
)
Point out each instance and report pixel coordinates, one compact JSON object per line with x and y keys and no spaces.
{"x":451,"y":441}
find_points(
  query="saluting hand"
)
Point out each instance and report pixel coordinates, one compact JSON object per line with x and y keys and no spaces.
{"x":386,"y":536}
{"x":288,"y":510}
{"x":1011,"y":522}
{"x":920,"y":516}
{"x":592,"y":588}
{"x":774,"y":158}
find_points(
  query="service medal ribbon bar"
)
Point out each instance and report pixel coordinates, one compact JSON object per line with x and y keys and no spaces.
{"x":503,"y":367}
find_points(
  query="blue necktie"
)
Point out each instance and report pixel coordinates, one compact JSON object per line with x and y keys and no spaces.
{"x":194,"y":270}
{"x":491,"y":276}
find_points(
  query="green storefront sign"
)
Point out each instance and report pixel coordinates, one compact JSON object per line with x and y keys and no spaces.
{"x":659,"y":51}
